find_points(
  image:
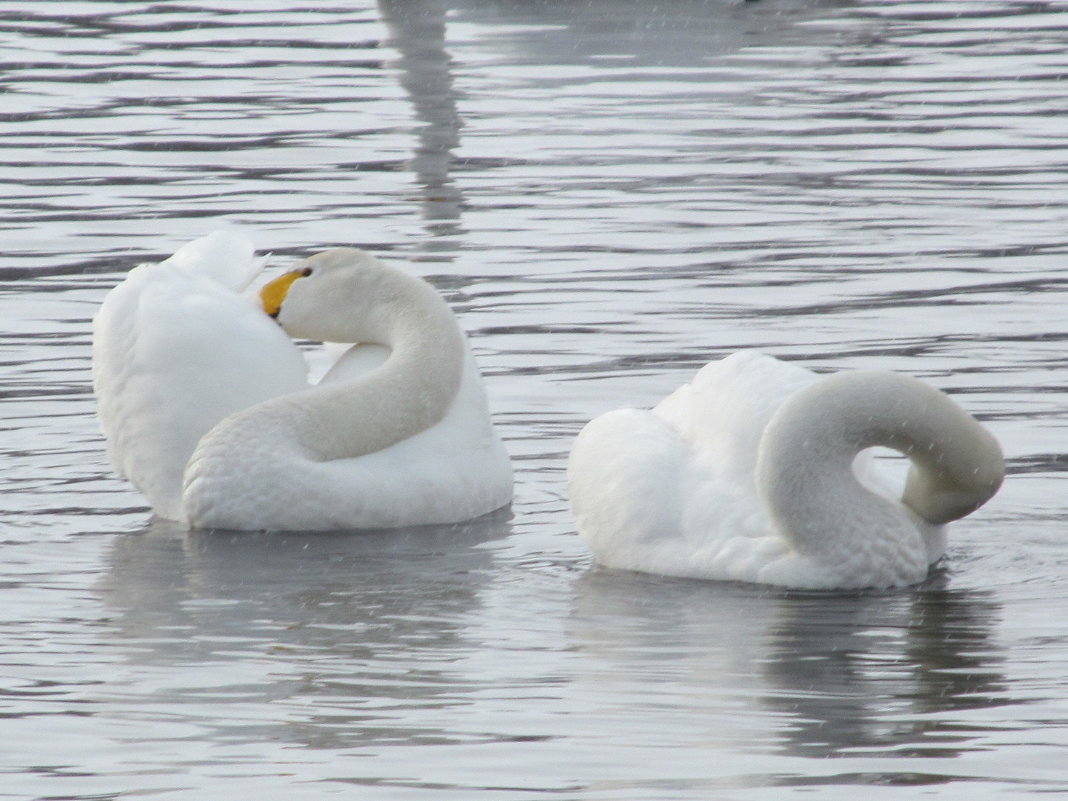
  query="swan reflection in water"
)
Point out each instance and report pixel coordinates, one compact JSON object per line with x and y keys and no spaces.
{"x":807,"y":674}
{"x":604,"y":34}
{"x":356,"y":628}
{"x":885,"y":674}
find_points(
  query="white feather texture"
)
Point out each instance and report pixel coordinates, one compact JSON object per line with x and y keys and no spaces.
{"x":206,"y":408}
{"x":759,"y":471}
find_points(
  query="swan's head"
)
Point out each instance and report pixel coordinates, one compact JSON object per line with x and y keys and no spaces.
{"x":274,"y":292}
{"x":328,"y":295}
{"x":957,"y":486}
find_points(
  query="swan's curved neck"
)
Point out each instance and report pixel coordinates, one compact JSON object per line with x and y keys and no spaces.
{"x":805,"y":459}
{"x":407,"y":394}
{"x":367,"y":302}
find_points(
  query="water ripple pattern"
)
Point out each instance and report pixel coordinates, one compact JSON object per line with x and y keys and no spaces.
{"x":609,"y":193}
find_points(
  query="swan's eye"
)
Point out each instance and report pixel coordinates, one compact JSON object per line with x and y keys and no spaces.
{"x":306,"y":271}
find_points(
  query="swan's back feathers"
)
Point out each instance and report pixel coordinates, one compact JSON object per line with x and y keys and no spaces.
{"x":671,"y":490}
{"x":227,"y":257}
{"x":723,"y":411}
{"x":174,"y":352}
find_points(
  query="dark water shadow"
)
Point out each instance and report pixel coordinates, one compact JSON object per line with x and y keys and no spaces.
{"x":424,"y":68}
{"x":884,"y":674}
{"x":879,"y":673}
{"x":604,"y":34}
{"x":348,"y":628}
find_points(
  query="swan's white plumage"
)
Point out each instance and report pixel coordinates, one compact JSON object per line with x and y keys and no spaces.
{"x":453,"y":471}
{"x":176,"y":349}
{"x":179,"y":356}
{"x":675,"y":490}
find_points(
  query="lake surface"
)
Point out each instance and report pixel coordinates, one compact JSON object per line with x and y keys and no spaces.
{"x":609,"y":194}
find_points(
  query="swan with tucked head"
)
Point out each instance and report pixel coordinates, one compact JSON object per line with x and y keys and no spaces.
{"x":759,"y":471}
{"x":206,"y":408}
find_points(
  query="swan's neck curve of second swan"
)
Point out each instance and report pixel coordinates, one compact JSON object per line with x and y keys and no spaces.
{"x":805,"y":464}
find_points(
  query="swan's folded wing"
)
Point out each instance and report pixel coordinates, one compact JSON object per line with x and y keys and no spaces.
{"x":723,"y":411}
{"x":625,"y":475}
{"x":173,"y":353}
{"x":227,"y":257}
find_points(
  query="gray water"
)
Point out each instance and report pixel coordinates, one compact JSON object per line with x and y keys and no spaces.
{"x":609,"y":194}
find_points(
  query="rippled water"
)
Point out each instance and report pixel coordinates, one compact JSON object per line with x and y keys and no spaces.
{"x":609,"y":194}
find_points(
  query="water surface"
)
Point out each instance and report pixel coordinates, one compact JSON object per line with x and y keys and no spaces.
{"x":609,"y":194}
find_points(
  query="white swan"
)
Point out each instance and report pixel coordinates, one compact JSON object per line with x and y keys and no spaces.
{"x":205,"y":405}
{"x":751,"y":473}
